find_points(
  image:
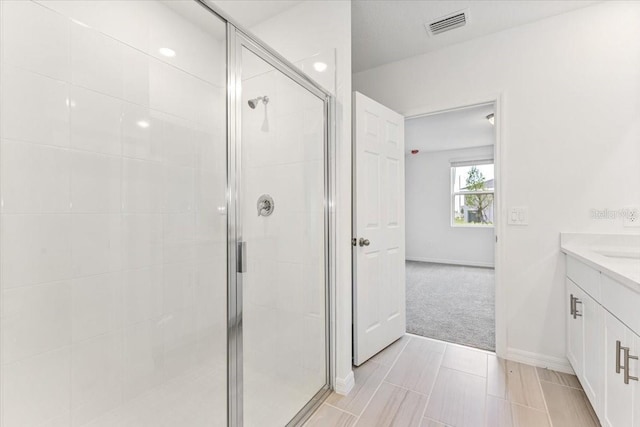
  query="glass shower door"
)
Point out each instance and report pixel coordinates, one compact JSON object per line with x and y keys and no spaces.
{"x":281,"y":219}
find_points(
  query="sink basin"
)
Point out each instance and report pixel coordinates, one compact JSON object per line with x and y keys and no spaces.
{"x":631,"y":255}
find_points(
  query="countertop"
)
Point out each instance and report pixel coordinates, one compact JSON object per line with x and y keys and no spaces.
{"x":614,"y":255}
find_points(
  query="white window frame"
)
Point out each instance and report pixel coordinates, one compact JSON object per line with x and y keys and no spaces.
{"x":453,"y":164}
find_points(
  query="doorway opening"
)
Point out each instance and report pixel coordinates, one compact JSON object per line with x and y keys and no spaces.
{"x":451,"y":183}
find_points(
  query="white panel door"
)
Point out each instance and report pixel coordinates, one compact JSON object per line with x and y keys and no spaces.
{"x":379,"y":281}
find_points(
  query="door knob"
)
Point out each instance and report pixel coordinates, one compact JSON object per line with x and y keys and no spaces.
{"x":363,"y":242}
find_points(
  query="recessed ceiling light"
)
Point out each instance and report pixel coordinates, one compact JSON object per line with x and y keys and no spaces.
{"x":143,"y":124}
{"x":320,"y":66}
{"x":170,"y":53}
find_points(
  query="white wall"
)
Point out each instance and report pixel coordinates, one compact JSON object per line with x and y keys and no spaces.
{"x":302,"y":32}
{"x":430,"y":236}
{"x":570,"y":131}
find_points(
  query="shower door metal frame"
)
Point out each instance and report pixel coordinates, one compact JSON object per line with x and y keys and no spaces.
{"x":238,"y":38}
{"x":237,"y":41}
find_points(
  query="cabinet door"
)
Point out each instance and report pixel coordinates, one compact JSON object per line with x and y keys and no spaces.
{"x":575,"y":342}
{"x":593,"y":359}
{"x":618,"y":396}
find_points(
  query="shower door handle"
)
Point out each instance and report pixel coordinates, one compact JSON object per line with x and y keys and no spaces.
{"x":242,"y":257}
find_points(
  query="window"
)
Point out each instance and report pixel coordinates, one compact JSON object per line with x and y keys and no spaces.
{"x":472,"y":193}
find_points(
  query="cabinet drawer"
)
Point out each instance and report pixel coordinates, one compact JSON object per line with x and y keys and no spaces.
{"x":622,"y":302}
{"x":584,"y":276}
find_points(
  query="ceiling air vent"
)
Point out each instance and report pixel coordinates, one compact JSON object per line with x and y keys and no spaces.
{"x":448,"y":22}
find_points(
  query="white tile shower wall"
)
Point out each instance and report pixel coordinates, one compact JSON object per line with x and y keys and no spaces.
{"x":113,"y":247}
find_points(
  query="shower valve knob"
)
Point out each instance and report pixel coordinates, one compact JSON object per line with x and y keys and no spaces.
{"x":265,"y":205}
{"x":363,"y":242}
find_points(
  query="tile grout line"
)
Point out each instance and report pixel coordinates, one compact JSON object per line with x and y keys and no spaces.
{"x":544,"y":398}
{"x":382,"y":381}
{"x":522,"y":405}
{"x":433,"y":386}
{"x":405,"y":388}
{"x":561,"y":385}
{"x":340,"y":409}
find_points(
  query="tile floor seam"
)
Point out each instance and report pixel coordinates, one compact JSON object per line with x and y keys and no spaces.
{"x":404,"y":388}
{"x":340,"y":409}
{"x":562,"y":385}
{"x":364,"y":409}
{"x":544,"y":399}
{"x":486,"y":393}
{"x":393,"y":364}
{"x":464,"y":372}
{"x":433,"y":386}
{"x":524,"y":406}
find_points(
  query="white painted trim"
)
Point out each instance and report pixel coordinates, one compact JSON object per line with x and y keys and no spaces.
{"x":560,"y":364}
{"x":450,"y":261}
{"x":498,"y":99}
{"x":344,"y":385}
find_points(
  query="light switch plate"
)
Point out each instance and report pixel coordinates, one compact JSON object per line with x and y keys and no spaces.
{"x":518,"y":215}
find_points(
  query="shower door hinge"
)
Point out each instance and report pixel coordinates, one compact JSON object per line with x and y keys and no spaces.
{"x":242,"y":257}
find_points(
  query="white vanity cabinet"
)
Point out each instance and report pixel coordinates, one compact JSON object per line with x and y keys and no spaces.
{"x":585,"y":330}
{"x":601,"y":344}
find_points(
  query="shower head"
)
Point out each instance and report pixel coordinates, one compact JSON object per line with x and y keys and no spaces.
{"x":254,"y":102}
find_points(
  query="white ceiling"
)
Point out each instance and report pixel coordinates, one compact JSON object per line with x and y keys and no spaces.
{"x":251,"y":12}
{"x":452,"y":130}
{"x":389,"y":30}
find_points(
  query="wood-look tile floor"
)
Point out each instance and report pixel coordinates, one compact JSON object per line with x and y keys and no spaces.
{"x":427,"y":383}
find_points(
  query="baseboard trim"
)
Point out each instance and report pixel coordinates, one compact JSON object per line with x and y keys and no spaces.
{"x":345,"y":385}
{"x":560,"y":364}
{"x":451,"y":261}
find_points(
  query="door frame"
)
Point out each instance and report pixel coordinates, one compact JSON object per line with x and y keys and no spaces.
{"x":499,"y":159}
{"x":236,"y":38}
